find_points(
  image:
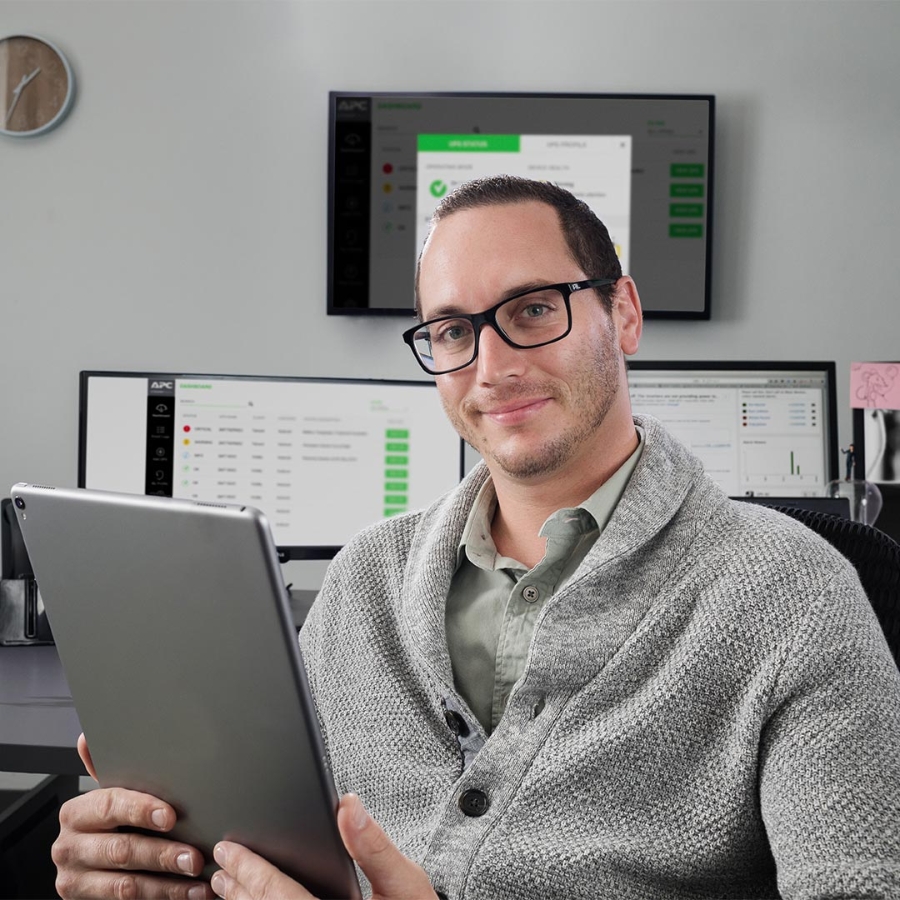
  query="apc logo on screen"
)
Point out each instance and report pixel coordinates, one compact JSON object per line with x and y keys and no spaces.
{"x":162,"y":385}
{"x":353,"y":106}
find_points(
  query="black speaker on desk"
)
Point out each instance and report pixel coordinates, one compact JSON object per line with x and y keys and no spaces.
{"x":22,"y":616}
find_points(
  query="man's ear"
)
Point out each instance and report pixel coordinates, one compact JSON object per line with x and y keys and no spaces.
{"x":627,"y":315}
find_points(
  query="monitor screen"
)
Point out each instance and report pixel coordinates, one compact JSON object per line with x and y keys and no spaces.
{"x":642,"y":162}
{"x":765,"y":429}
{"x":322,"y":458}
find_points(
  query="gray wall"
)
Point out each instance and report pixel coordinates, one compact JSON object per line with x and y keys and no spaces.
{"x":176,"y":220}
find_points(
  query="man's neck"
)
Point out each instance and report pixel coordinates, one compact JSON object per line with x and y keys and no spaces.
{"x":524,"y":505}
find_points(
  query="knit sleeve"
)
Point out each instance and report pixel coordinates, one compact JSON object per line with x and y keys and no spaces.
{"x":830,"y":755}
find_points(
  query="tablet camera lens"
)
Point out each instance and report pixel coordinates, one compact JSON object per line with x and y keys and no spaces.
{"x":20,"y":503}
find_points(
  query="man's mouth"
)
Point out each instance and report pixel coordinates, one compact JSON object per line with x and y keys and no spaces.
{"x":515,"y":412}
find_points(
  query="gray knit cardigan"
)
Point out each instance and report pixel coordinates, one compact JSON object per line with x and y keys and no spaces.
{"x":708,"y":709}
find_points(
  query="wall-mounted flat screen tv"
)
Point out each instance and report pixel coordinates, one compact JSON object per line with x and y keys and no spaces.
{"x":643,"y":162}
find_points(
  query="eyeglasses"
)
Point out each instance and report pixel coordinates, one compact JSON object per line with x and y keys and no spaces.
{"x":531,"y":319}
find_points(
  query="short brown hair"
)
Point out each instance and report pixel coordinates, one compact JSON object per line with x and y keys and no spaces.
{"x":586,"y":236}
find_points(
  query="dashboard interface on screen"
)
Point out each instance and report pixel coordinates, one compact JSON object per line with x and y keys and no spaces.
{"x":643,"y":163}
{"x":760,"y":429}
{"x":322,"y":458}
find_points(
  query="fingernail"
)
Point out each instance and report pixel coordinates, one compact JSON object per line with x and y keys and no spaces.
{"x":217,"y":883}
{"x":360,"y":816}
{"x":158,"y":817}
{"x":185,"y":863}
{"x":219,"y":854}
{"x":197,"y":892}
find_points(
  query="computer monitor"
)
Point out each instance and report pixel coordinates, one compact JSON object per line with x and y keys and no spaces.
{"x":766,"y":429}
{"x":321,"y":457}
{"x":642,"y":162}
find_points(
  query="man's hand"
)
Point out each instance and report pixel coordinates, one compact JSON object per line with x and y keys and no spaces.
{"x":94,"y":859}
{"x":246,"y":876}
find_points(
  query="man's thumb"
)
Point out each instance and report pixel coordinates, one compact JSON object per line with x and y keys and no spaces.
{"x":392,"y":875}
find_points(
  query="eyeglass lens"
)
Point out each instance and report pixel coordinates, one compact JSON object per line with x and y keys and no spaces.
{"x":529,"y":320}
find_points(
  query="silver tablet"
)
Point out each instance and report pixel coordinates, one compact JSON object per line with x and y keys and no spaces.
{"x":173,"y":626}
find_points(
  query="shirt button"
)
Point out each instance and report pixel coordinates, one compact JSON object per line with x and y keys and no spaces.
{"x":474,"y":802}
{"x":531,"y":593}
{"x":456,"y":723}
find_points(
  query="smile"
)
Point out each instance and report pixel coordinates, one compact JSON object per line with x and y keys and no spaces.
{"x":517,"y":412}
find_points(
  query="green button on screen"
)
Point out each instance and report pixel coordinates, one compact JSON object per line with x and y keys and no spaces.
{"x":687,"y":170}
{"x":685,"y":231}
{"x":686,"y":190}
{"x":686,"y":210}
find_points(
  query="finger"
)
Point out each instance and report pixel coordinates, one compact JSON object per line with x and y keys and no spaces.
{"x":106,"y":809}
{"x":392,"y":875}
{"x":85,"y":755}
{"x":247,"y":876}
{"x":131,"y":884}
{"x":125,"y":851}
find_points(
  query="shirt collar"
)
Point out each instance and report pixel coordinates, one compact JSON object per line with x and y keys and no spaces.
{"x":593,"y":514}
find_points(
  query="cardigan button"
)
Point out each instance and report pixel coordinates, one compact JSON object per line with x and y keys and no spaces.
{"x":474,"y":803}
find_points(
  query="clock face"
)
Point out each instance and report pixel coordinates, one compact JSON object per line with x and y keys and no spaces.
{"x":36,"y":85}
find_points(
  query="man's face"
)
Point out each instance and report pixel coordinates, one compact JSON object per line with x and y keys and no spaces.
{"x":528,"y":412}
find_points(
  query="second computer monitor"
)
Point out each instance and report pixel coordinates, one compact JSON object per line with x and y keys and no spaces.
{"x":765,"y":429}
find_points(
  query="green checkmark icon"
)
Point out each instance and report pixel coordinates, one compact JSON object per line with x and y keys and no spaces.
{"x":438,"y":188}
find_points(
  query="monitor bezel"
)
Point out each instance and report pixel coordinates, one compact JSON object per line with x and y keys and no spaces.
{"x":826,"y":366}
{"x":703,"y":314}
{"x":285,"y":553}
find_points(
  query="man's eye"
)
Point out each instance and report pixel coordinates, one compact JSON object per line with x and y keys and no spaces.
{"x":450,"y":333}
{"x":535,"y":310}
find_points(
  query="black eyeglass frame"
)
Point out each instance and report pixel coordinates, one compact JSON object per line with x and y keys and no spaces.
{"x":489,"y":317}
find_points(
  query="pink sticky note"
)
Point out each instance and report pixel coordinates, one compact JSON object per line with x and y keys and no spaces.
{"x":875,"y":385}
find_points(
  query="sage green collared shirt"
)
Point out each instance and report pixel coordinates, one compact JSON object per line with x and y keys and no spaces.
{"x":494,"y":601}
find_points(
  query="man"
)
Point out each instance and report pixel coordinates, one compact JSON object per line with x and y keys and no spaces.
{"x":585,"y":672}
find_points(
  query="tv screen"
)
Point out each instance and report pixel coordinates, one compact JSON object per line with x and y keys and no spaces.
{"x":322,"y":458}
{"x":642,"y":162}
{"x":761,"y":429}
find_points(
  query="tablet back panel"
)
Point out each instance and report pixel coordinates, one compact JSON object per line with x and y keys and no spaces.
{"x":173,"y":626}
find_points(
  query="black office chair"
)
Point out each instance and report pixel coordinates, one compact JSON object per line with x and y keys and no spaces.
{"x":876,"y":557}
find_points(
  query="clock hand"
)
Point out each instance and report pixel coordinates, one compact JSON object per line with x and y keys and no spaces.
{"x":17,"y":92}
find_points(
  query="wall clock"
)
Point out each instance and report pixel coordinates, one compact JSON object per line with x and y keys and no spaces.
{"x":37,"y":86}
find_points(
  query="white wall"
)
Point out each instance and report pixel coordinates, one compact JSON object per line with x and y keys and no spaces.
{"x":176,"y":220}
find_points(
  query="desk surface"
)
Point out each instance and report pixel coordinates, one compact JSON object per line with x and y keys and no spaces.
{"x":38,"y":724}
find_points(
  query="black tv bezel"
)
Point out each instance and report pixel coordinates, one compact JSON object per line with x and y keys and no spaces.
{"x":703,"y":314}
{"x":285,"y":553}
{"x":768,"y":365}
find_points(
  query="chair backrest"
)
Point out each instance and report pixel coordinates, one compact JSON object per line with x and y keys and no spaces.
{"x":876,"y":558}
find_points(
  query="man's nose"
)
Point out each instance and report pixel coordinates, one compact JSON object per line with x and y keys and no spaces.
{"x":496,"y":359}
